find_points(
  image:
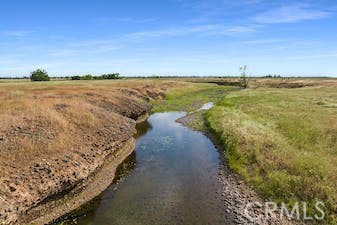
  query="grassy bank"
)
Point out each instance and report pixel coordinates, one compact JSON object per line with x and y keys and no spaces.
{"x":283,"y":142}
{"x":191,"y":97}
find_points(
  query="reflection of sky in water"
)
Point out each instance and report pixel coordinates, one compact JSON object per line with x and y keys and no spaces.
{"x":175,"y":180}
{"x":165,"y":121}
{"x":163,"y":143}
{"x":207,"y":106}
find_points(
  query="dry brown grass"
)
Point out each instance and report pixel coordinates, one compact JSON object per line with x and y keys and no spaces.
{"x":270,"y":82}
{"x":55,"y":134}
{"x":35,"y":115}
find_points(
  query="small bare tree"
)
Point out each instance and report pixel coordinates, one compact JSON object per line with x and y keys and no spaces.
{"x":245,"y":79}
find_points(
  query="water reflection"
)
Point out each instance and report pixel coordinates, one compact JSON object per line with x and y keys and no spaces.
{"x":87,"y":212}
{"x":142,"y":128}
{"x":207,"y":106}
{"x":172,"y":178}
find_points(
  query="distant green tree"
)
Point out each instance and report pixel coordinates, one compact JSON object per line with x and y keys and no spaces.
{"x":87,"y":77}
{"x":98,"y":78}
{"x":76,"y":78}
{"x":39,"y":75}
{"x":110,"y":76}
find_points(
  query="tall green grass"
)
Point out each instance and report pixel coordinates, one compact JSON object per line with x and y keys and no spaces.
{"x":191,"y":97}
{"x":283,"y":142}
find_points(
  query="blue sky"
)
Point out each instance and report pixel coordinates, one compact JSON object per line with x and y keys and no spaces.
{"x":169,"y":37}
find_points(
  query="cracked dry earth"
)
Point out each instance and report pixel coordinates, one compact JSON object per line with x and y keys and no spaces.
{"x":53,"y":138}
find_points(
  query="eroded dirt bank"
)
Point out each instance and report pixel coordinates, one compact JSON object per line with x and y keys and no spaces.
{"x":55,"y":139}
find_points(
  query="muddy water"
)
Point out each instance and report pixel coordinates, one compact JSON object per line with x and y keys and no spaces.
{"x":172,"y":178}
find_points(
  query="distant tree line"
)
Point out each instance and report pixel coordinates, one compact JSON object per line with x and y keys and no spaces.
{"x":42,"y":75}
{"x":13,"y":78}
{"x":272,"y":76}
{"x":109,"y":76}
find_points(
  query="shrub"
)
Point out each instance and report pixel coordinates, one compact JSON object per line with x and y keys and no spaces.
{"x":87,"y":77}
{"x":110,"y":76}
{"x":75,"y":78}
{"x":39,"y":75}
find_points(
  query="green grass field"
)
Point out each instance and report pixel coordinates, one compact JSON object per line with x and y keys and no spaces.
{"x":281,"y":141}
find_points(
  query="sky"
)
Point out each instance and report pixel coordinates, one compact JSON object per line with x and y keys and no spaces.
{"x":168,"y":37}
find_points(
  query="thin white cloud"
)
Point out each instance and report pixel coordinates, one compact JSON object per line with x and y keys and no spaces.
{"x":314,"y":56}
{"x":99,"y":46}
{"x":16,"y":33}
{"x":64,"y":52}
{"x":21,"y":67}
{"x":82,"y":51}
{"x":291,"y":14}
{"x":88,"y":47}
{"x":217,"y":4}
{"x":263,"y":41}
{"x":253,"y":2}
{"x":92,"y":43}
{"x":125,"y":20}
{"x":211,"y":29}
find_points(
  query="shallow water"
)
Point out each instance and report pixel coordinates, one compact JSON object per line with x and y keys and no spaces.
{"x":172,"y":178}
{"x":207,"y":106}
